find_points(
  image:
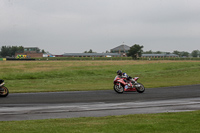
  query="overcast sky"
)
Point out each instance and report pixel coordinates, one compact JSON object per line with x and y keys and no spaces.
{"x":75,"y":26}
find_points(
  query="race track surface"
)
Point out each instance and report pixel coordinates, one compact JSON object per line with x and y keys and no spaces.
{"x":29,"y":106}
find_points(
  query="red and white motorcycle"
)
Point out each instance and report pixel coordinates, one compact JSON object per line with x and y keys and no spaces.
{"x":3,"y":90}
{"x":123,"y":85}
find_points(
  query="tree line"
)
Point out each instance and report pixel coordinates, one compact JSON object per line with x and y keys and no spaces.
{"x":9,"y":51}
{"x":135,"y":51}
{"x":194,"y":53}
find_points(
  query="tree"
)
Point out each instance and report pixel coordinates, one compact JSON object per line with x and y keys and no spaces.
{"x":4,"y":51}
{"x":181,"y":53}
{"x":158,"y":52}
{"x":13,"y":50}
{"x":43,"y":51}
{"x":195,"y":53}
{"x":148,"y":52}
{"x":90,"y":51}
{"x":20,"y":49}
{"x":184,"y":54}
{"x":177,"y":53}
{"x":135,"y":51}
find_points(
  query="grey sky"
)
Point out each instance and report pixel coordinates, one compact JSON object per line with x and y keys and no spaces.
{"x":72,"y":26}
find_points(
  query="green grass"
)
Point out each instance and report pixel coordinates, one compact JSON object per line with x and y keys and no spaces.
{"x":184,"y":122}
{"x":44,"y":76}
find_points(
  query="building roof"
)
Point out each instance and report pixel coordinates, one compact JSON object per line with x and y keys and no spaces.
{"x":91,"y":54}
{"x":31,"y":47}
{"x":121,"y":47}
{"x":47,"y":53}
{"x":166,"y":55}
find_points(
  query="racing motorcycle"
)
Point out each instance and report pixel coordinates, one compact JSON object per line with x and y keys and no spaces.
{"x":3,"y":90}
{"x":123,"y":85}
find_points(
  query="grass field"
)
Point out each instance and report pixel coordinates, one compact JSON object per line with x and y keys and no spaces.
{"x":184,"y":122}
{"x":44,"y":76}
{"x":38,"y":76}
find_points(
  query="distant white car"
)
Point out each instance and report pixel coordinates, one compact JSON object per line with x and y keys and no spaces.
{"x":108,"y":56}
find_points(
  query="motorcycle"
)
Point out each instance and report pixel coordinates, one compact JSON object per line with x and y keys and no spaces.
{"x":3,"y":90}
{"x":123,"y":85}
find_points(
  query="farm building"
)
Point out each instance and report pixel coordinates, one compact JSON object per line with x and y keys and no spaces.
{"x":30,"y":52}
{"x":158,"y":55}
{"x":91,"y":55}
{"x":122,"y":50}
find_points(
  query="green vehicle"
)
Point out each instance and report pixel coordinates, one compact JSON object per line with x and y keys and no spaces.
{"x":21,"y":56}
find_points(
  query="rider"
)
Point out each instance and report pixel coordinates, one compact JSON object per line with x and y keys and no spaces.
{"x":119,"y":73}
{"x":124,"y":75}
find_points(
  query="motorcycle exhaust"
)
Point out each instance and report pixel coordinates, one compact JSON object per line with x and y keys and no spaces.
{"x":137,"y":85}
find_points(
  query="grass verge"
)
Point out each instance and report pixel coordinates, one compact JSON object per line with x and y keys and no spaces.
{"x":184,"y":122}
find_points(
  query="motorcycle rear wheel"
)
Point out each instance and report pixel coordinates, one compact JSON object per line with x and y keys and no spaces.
{"x":5,"y":92}
{"x":118,"y":89}
{"x":140,"y":89}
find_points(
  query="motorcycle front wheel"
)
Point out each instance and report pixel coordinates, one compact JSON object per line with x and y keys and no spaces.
{"x":118,"y":89}
{"x":5,"y":92}
{"x":141,"y":88}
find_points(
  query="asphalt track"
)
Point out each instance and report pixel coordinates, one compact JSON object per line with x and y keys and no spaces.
{"x":30,"y":106}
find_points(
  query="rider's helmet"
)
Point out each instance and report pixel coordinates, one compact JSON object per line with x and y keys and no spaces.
{"x":119,"y":72}
{"x":124,"y":75}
